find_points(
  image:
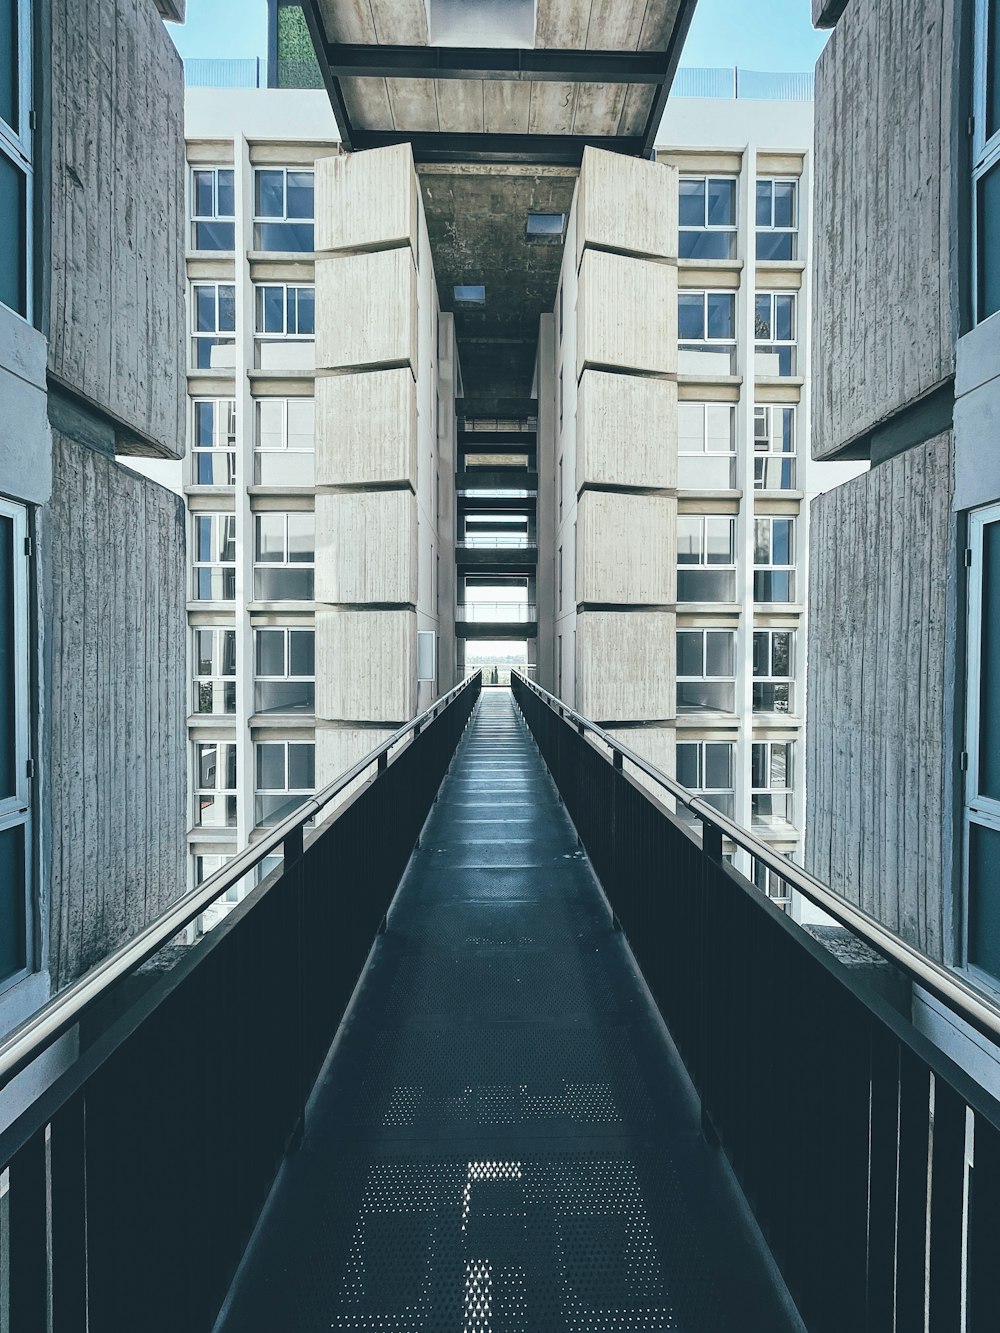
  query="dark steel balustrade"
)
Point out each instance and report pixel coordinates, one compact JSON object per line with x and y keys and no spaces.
{"x":845,"y":1126}
{"x":134,"y":1182}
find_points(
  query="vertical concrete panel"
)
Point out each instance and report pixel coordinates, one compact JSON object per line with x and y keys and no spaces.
{"x":625,"y":665}
{"x":626,"y":431}
{"x":367,"y":201}
{"x":366,"y":665}
{"x":366,"y":547}
{"x":366,"y":310}
{"x":626,"y":204}
{"x":627,"y":314}
{"x":366,"y":429}
{"x":626,"y":548}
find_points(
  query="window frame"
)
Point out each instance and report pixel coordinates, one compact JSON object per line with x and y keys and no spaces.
{"x":259,"y":791}
{"x":730,"y":229}
{"x":284,"y":449}
{"x":771,"y":567}
{"x":230,"y":794}
{"x":260,"y":220}
{"x":771,"y":229}
{"x":719,"y":566}
{"x":705,"y":678}
{"x":217,"y":677}
{"x":771,"y":343}
{"x":220,"y":337}
{"x":985,"y":148}
{"x":770,"y":677}
{"x":788,"y":790}
{"x":707,"y":793}
{"x":17,"y":146}
{"x":216,"y":516}
{"x":287,"y":677}
{"x":269,"y":335}
{"x":196,"y":217}
{"x":762,"y":455}
{"x":707,"y":338}
{"x":285,"y":563}
{"x":17,"y":810}
{"x":228,"y":405}
{"x":706,"y":451}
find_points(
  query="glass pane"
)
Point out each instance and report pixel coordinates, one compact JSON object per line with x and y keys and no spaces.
{"x":214,"y":235}
{"x":762,"y":541}
{"x":781,"y":766}
{"x":720,"y":654}
{"x":764,"y":203}
{"x":208,"y":766}
{"x":775,"y":245}
{"x":301,"y":541}
{"x":690,"y":428}
{"x":205,"y":309}
{"x":270,"y":310}
{"x":225,"y":197}
{"x":270,"y":652}
{"x":706,"y":472}
{"x":300,"y":194}
{"x":688,"y":539}
{"x":270,"y":537}
{"x":719,"y":541}
{"x":227,"y":309}
{"x":773,"y":586}
{"x":228,"y":663}
{"x":283,"y":584}
{"x":689,"y":653}
{"x":13,"y":926}
{"x":772,"y":698}
{"x":306,"y":318}
{"x":270,"y":194}
{"x":781,"y":541}
{"x":784,"y":204}
{"x":691,"y":203}
{"x":687,"y":765}
{"x":762,"y":317}
{"x":203,"y":655}
{"x":271,"y":767}
{"x":301,"y":652}
{"x":284,"y":696}
{"x":781,"y":653}
{"x":761,"y":654}
{"x":301,"y":423}
{"x":13,"y":230}
{"x":784,"y":318}
{"x":227,"y":537}
{"x":761,"y":428}
{"x":9,"y":73}
{"x":9,"y":649}
{"x":204,"y":194}
{"x":984,"y":898}
{"x":203,"y":537}
{"x":721,"y":315}
{"x":690,"y":315}
{"x":989,"y":695}
{"x":705,"y":696}
{"x":292,"y":237}
{"x":722,"y":203}
{"x":706,"y":585}
{"x":204,"y":425}
{"x":989,"y":243}
{"x":285,"y":468}
{"x":270,"y":423}
{"x":719,"y":427}
{"x":993,"y":69}
{"x":301,"y":767}
{"x":718,"y":765}
{"x":707,"y":245}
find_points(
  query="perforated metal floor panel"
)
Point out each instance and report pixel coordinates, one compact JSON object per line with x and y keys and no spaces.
{"x":501,"y":1140}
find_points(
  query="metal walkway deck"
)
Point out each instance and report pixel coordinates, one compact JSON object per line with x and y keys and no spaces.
{"x":502,"y":1140}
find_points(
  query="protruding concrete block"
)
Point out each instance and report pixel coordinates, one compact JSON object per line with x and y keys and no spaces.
{"x":365,"y":665}
{"x":627,"y":314}
{"x":658,"y":746}
{"x":367,"y":201}
{"x":366,"y":307}
{"x":625,"y":665}
{"x":626,"y":549}
{"x":626,"y":204}
{"x":626,"y":431}
{"x":340,"y":748}
{"x":366,"y":546}
{"x":366,"y":428}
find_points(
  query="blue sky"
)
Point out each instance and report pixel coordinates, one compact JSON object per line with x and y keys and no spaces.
{"x":776,"y":35}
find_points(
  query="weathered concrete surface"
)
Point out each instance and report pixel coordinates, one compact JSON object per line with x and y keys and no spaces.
{"x":113,"y":767}
{"x":626,"y":549}
{"x":117,"y":321}
{"x":625,"y":666}
{"x":880,"y":756}
{"x":626,"y":431}
{"x":885,"y":304}
{"x":366,"y":429}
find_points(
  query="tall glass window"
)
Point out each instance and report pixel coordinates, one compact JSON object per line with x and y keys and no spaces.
{"x":15,"y":156}
{"x":773,"y":448}
{"x":214,"y":562}
{"x":284,"y":311}
{"x":285,"y":776}
{"x":707,"y":216}
{"x":773,"y":670}
{"x":706,"y":671}
{"x":213,"y":456}
{"x":774,"y":333}
{"x":215,"y":785}
{"x":771,"y":783}
{"x":706,"y":558}
{"x":706,"y":446}
{"x":706,"y":769}
{"x":777,"y":219}
{"x":285,"y":670}
{"x":213,"y":209}
{"x":213,"y":330}
{"x":283,"y":209}
{"x":284,"y":556}
{"x":986,"y":158}
{"x":774,"y":560}
{"x":214,"y":670}
{"x":15,"y":785}
{"x":706,"y":332}
{"x":285,"y":447}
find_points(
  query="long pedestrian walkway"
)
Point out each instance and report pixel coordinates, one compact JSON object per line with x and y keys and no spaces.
{"x":502,"y":1140}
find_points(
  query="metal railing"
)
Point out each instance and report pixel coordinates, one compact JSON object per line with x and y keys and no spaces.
{"x":758,"y":85}
{"x":496,"y":613}
{"x":514,"y":542}
{"x":849,"y":1131}
{"x":135,"y":1180}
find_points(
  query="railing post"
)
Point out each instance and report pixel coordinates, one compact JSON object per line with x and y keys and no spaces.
{"x":617,"y":761}
{"x":383,"y":761}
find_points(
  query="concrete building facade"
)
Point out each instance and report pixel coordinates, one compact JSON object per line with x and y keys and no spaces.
{"x":92,"y":555}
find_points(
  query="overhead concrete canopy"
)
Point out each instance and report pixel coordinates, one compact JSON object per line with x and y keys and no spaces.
{"x":541,"y":79}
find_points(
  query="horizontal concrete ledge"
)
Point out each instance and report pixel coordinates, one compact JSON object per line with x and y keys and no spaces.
{"x":669,"y":375}
{"x":914,"y":424}
{"x":372,"y":248}
{"x":90,"y":424}
{"x":365,"y":487}
{"x":366,"y":606}
{"x":366,"y":368}
{"x":357,"y":724}
{"x":620,"y":608}
{"x":619,"y":488}
{"x":597,"y":246}
{"x":616,"y":724}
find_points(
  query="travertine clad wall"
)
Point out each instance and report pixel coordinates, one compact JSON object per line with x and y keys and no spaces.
{"x":885,"y":307}
{"x":368,"y":224}
{"x":114,"y":784}
{"x":882,"y":631}
{"x":626,"y":449}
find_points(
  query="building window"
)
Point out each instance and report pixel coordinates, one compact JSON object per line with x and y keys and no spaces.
{"x":706,"y":558}
{"x":285,"y":670}
{"x":15,"y":785}
{"x":777,"y":219}
{"x":771,"y":783}
{"x":773,"y":668}
{"x":213,"y":312}
{"x":214,"y":670}
{"x":213,"y":209}
{"x":706,"y":769}
{"x":284,"y":311}
{"x":982,"y":776}
{"x":283,"y":210}
{"x":285,"y":444}
{"x":706,"y":671}
{"x":706,"y":333}
{"x":213,"y":457}
{"x":215,"y":785}
{"x":284,"y":556}
{"x":772,"y":884}
{"x":15,"y":156}
{"x":774,"y":560}
{"x":706,"y":446}
{"x":773,"y":448}
{"x":214,"y":560}
{"x":707,"y":215}
{"x":285,"y":776}
{"x":774,"y":333}
{"x":986,"y":159}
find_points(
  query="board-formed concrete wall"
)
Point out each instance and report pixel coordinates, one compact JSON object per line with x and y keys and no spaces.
{"x":117,"y":322}
{"x":885,"y":277}
{"x":880,"y":753}
{"x":113,"y":765}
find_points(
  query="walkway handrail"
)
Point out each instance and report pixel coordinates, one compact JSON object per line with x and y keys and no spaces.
{"x":35,"y":1035}
{"x":968,"y":1003}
